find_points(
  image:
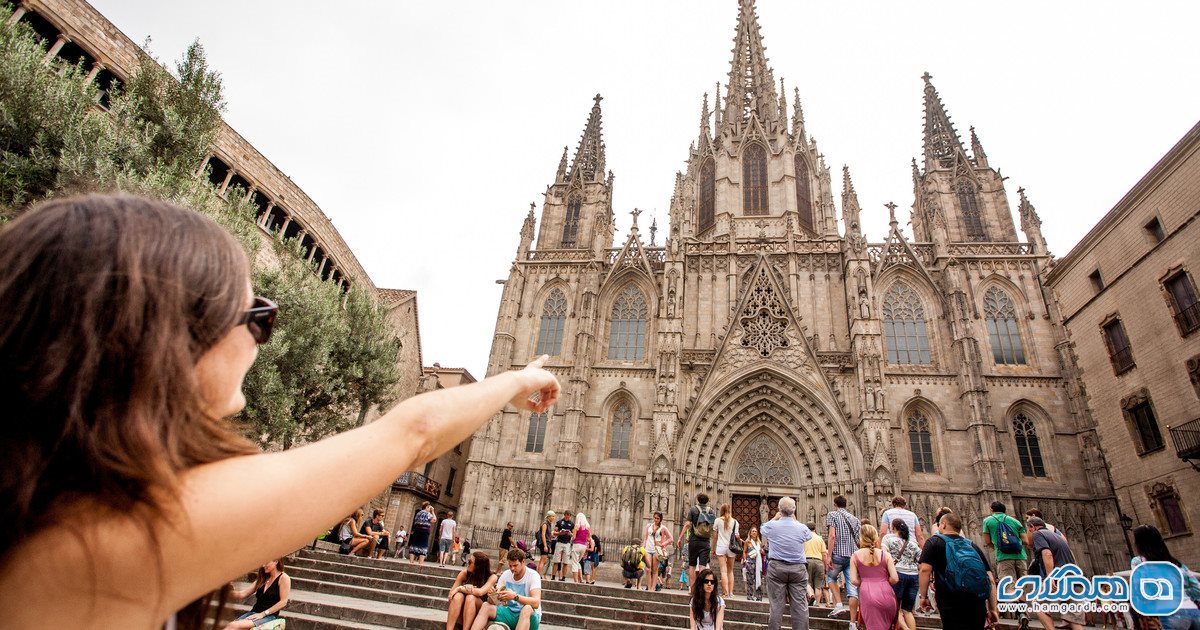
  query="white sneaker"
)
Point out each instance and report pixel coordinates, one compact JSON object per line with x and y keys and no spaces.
{"x":838,"y":610}
{"x":853,"y":626}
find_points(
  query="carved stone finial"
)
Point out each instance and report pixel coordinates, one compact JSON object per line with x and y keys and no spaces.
{"x":634,"y":213}
{"x":891,"y":213}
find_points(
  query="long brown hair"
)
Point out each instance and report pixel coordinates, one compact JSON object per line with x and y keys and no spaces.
{"x":481,"y":571}
{"x":109,"y":300}
{"x":262,"y":577}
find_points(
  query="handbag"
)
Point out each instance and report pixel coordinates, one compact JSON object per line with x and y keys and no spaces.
{"x":735,"y":544}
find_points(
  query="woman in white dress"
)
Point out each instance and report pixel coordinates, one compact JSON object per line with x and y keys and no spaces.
{"x":726,"y":529}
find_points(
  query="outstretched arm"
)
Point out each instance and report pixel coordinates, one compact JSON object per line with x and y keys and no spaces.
{"x":308,"y":487}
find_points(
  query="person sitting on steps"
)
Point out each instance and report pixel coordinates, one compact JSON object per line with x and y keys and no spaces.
{"x":516,"y":598}
{"x":271,"y":589}
{"x":469,"y":592}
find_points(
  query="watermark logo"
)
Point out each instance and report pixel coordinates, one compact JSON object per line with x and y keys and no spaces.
{"x":1156,"y":588}
{"x":1066,"y":589}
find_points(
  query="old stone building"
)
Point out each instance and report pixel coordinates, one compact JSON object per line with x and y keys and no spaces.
{"x":768,"y":349}
{"x":1127,"y":294}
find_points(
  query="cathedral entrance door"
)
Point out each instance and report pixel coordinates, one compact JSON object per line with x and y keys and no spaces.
{"x":749,"y":510}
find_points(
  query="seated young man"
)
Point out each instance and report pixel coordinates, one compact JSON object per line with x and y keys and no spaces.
{"x":517,"y":597}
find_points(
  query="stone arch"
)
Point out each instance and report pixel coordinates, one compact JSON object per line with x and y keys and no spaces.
{"x":805,"y":423}
{"x":619,"y":397}
{"x":1043,"y":427}
{"x":761,"y":460}
{"x":538,"y":308}
{"x":926,"y":293}
{"x":1021,"y":310}
{"x":609,"y":294}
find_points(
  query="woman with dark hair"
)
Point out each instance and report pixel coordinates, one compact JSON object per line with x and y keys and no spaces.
{"x":658,"y":538}
{"x":270,"y":589}
{"x":901,"y":546}
{"x":707,"y":608}
{"x":127,"y":328}
{"x":1149,"y":546}
{"x":422,"y":529}
{"x":470,"y":590}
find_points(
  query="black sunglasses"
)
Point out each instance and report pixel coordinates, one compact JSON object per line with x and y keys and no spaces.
{"x":260,"y":319}
{"x":708,"y":581}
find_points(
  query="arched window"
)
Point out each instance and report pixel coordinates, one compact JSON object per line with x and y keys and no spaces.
{"x":920,"y":442}
{"x":535,"y":439}
{"x":803,"y":194}
{"x":754,"y":180}
{"x":1001,"y":318}
{"x":1028,"y":449}
{"x":554,"y":316}
{"x":627,"y":330}
{"x":708,"y":179}
{"x":904,"y":326}
{"x":968,"y":203}
{"x":571,"y":225}
{"x":622,"y":427}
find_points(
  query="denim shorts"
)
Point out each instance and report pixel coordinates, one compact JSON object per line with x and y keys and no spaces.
{"x":260,"y":622}
{"x":445,"y":544}
{"x":906,"y":590}
{"x":841,"y":565}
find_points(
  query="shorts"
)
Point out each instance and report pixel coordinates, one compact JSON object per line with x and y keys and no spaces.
{"x":577,"y":552}
{"x":841,"y":565}
{"x":562,"y":553}
{"x":261,"y":622}
{"x":631,"y":575}
{"x":587,"y":567}
{"x":506,"y":616}
{"x":906,"y":590}
{"x":383,"y":543}
{"x":698,"y":553}
{"x":1014,"y":568}
{"x":445,"y":544}
{"x":816,"y":572}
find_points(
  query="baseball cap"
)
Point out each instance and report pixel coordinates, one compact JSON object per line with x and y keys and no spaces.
{"x":551,"y":513}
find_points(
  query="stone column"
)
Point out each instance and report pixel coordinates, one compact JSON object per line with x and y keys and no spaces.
{"x":225,"y":184}
{"x":96,"y":68}
{"x":266,"y":218}
{"x":203,"y":165}
{"x":17,"y":15}
{"x":283,"y":228}
{"x":58,"y":44}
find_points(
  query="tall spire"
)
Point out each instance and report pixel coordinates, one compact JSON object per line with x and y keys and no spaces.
{"x":561,"y":174}
{"x":717,"y":119}
{"x":977,"y":150}
{"x":705,"y":134}
{"x":797,"y":117}
{"x":850,"y":207}
{"x":751,"y":87}
{"x":589,"y":157}
{"x":1029,"y":215}
{"x":941,"y":140}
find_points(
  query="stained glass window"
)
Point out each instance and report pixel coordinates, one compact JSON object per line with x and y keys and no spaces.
{"x":627,"y":330}
{"x":904,"y":326}
{"x":1029,"y":451}
{"x":968,"y":203}
{"x":754,"y":180}
{"x":535,"y":438}
{"x":920,"y":442}
{"x":707,"y":195}
{"x":803,"y":194}
{"x":622,"y":427}
{"x":1001,"y":318}
{"x":571,"y":225}
{"x":554,"y":317}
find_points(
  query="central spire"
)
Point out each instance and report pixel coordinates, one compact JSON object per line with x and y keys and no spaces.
{"x":751,"y":88}
{"x":941,"y":140}
{"x":589,"y":156}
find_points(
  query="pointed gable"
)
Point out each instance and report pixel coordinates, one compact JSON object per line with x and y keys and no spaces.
{"x":631,"y":256}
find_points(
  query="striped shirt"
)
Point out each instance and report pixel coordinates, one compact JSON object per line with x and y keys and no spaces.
{"x":845,"y":527}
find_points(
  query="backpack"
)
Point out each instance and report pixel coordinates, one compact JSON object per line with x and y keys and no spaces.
{"x":705,"y":521}
{"x":1007,"y":537}
{"x":965,"y":571}
{"x":630,"y":558}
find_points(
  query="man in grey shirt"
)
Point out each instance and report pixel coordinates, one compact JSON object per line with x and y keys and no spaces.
{"x":787,"y":567}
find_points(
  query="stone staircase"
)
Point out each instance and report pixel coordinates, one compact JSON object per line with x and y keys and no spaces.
{"x":334,"y":591}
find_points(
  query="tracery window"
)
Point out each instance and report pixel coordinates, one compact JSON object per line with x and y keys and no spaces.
{"x":1029,"y":451}
{"x":1001,"y":318}
{"x":622,"y":427}
{"x":554,"y":317}
{"x":627,"y":329}
{"x":535,"y":438}
{"x":708,"y":178}
{"x":904,"y":326}
{"x":1164,"y":499}
{"x":754,"y":180}
{"x":571,"y":225}
{"x":804,"y":209}
{"x":920,"y":442}
{"x":968,"y":203}
{"x":763,"y":463}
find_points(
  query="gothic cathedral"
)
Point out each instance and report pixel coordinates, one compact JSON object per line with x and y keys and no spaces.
{"x":766,"y":351}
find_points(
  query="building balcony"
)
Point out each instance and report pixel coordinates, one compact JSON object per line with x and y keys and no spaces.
{"x":1122,"y":360}
{"x":418,"y":483}
{"x":1188,"y":319}
{"x":1187,"y":442}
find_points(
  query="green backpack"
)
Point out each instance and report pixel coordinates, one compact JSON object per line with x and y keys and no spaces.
{"x":705,"y":520}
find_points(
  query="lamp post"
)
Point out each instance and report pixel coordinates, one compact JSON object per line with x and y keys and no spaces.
{"x":1126,"y":525}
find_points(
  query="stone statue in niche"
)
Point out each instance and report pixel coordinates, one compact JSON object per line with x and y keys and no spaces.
{"x":671,"y":300}
{"x":670,"y":393}
{"x":879,"y":399}
{"x":662,"y":393}
{"x":864,"y":306}
{"x":870,"y":399}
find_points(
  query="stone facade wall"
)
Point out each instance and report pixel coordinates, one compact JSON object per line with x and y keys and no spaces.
{"x":1133,"y":265}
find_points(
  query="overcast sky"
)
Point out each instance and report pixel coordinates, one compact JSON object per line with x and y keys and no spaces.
{"x":425,"y":129}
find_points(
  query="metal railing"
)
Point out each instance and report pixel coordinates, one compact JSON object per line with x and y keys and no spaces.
{"x":1122,"y":359}
{"x":418,"y":483}
{"x":1186,"y":438}
{"x":1188,"y":319}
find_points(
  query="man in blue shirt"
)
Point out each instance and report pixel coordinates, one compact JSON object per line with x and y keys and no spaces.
{"x":787,"y":566}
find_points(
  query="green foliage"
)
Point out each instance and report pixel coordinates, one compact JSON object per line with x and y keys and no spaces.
{"x":332,"y":356}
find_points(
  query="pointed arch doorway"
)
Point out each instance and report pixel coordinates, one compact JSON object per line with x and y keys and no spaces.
{"x":763,"y":474}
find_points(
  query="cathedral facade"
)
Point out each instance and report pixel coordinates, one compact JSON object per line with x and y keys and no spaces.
{"x":768,"y":350}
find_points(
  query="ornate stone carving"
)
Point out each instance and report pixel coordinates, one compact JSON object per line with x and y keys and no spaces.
{"x":763,"y":462}
{"x":764,"y":317}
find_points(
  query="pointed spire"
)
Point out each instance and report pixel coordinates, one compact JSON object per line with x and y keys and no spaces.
{"x":589,"y":157}
{"x":1029,"y":215}
{"x":850,"y":207}
{"x":797,"y":117}
{"x":717,"y":118}
{"x":977,"y":150}
{"x":561,"y":175}
{"x":782,"y":102}
{"x":941,"y":140}
{"x":751,"y":88}
{"x":916,"y":173}
{"x":705,"y":134}
{"x":527,"y":231}
{"x":653,"y":230}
